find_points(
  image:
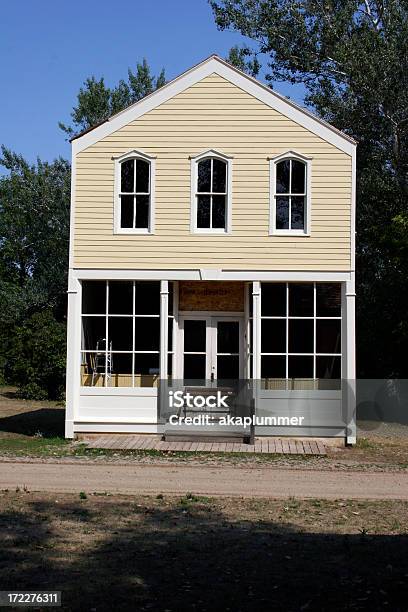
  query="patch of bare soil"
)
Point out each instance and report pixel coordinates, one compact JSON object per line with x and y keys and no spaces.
{"x":192,"y":553}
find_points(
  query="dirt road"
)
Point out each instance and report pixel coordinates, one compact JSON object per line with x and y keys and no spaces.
{"x":205,"y":480}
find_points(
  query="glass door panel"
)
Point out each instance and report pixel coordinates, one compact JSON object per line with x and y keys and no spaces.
{"x":195,"y":350}
{"x":227,"y":356}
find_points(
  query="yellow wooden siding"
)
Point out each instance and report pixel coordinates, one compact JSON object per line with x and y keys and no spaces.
{"x":213,"y":114}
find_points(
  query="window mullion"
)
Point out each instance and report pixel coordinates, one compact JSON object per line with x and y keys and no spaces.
{"x":290,"y":192}
{"x":133,"y":331}
{"x":106,"y":332}
{"x":314,"y":331}
{"x":211,"y":190}
{"x":287,"y":336}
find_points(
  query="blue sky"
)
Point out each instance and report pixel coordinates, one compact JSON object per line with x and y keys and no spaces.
{"x":48,"y":48}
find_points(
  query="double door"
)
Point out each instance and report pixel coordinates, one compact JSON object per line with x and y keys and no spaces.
{"x":211,"y":347}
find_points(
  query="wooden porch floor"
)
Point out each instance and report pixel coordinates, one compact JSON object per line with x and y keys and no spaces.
{"x":282,"y":446}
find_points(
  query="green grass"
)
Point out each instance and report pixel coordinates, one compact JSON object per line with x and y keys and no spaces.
{"x":34,"y":447}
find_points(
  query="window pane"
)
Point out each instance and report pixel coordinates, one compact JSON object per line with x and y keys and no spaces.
{"x":120,"y":297}
{"x":204,"y":176}
{"x":194,"y":367}
{"x":273,"y":367}
{"x":194,"y":336}
{"x":171,"y":297}
{"x":121,"y":371}
{"x":300,"y":336}
{"x":142,"y":211}
{"x":301,"y":300}
{"x":298,"y":213}
{"x":273,"y":301}
{"x":203,"y":211}
{"x":328,"y":336}
{"x":328,"y":367}
{"x":227,"y":367}
{"x":146,"y":370}
{"x":127,"y":176}
{"x":147,"y":334}
{"x":298,"y":177}
{"x":218,"y":212}
{"x":126,"y":211}
{"x":147,"y":296}
{"x":142,"y":176}
{"x":93,"y":333}
{"x":94,"y":297}
{"x":282,"y":213}
{"x":170,"y":334}
{"x":227,"y":337}
{"x":300,"y":367}
{"x":328,"y":300}
{"x":273,"y":336}
{"x":120,"y":333}
{"x":93,"y":369}
{"x":219,"y":176}
{"x":282,"y":176}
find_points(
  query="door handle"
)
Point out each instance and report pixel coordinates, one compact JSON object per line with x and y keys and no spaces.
{"x":212,"y":377}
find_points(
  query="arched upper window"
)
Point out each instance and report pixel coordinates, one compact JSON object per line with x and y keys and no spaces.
{"x":290,"y":202}
{"x":134,"y":193}
{"x":211,"y":182}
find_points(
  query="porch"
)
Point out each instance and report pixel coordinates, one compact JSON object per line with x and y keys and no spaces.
{"x":264,"y":445}
{"x":293,"y":339}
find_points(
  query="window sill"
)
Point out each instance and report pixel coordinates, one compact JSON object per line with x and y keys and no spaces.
{"x":290,"y":233}
{"x":133,"y":232}
{"x":210,"y":232}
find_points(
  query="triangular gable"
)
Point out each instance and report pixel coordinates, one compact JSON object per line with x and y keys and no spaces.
{"x":216,"y":65}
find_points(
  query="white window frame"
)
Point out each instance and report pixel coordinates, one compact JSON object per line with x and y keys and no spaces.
{"x":134,"y":154}
{"x":211,"y":153}
{"x":273,"y":161}
{"x":287,"y":317}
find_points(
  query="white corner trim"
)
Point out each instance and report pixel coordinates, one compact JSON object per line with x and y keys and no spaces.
{"x":134,"y":154}
{"x":218,"y":66}
{"x":194,"y":160}
{"x":272,"y":193}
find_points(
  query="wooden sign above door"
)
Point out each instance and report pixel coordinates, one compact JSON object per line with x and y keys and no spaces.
{"x":219,"y":296}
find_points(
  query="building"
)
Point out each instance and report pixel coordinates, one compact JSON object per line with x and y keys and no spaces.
{"x":212,"y":237}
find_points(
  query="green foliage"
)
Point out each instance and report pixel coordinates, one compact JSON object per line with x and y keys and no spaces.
{"x":36,"y":359}
{"x":244,"y":59}
{"x":352,"y":57}
{"x":34,"y":236}
{"x":96,"y":102}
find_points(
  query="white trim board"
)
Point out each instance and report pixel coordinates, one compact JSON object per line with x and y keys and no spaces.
{"x":215,"y":65}
{"x":221,"y":275}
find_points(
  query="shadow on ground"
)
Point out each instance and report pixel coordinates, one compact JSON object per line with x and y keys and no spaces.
{"x":47,"y":421}
{"x":194,"y":558}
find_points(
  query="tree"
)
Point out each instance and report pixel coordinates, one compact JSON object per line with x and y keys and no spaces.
{"x":244,"y":59}
{"x":34,"y":238}
{"x":352,"y":57}
{"x":97,"y":102}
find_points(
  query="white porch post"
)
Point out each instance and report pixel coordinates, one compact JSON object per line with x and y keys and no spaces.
{"x":73,"y":354}
{"x":164,"y":327}
{"x":349,"y":359}
{"x":256,"y":330}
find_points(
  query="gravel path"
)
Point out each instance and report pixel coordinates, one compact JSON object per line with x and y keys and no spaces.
{"x":203,"y":480}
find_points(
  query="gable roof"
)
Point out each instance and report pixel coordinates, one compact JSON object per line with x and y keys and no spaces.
{"x":211,"y":65}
